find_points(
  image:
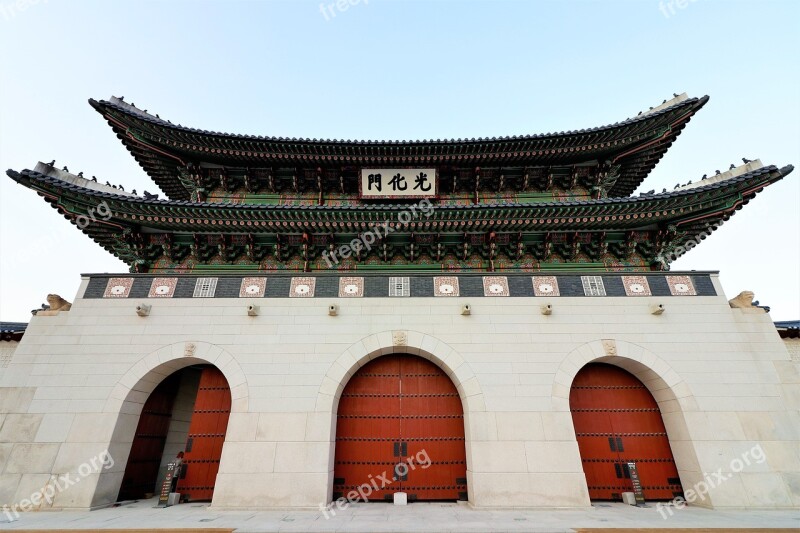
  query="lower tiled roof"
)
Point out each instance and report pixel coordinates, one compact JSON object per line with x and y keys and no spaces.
{"x":12,"y":331}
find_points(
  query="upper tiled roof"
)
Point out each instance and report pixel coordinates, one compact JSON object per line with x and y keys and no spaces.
{"x":636,"y":144}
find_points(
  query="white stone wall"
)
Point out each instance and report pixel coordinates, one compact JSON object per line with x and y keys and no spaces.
{"x":7,"y":349}
{"x":722,"y":377}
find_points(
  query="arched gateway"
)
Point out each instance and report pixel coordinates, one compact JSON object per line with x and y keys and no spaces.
{"x":617,"y":421}
{"x":187,"y":412}
{"x":400,"y":428}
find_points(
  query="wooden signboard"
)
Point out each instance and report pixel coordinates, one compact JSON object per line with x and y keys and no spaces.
{"x":637,"y":485}
{"x":397,"y":183}
{"x":171,"y":477}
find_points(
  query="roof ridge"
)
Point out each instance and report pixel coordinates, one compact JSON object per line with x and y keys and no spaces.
{"x":48,"y":169}
{"x":732,"y":172}
{"x":681,"y":101}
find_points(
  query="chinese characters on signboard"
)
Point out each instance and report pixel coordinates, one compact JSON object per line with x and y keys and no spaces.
{"x":377,"y":183}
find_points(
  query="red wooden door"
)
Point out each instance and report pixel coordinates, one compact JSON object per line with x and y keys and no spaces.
{"x":400,"y":419}
{"x":141,"y":471}
{"x":618,"y":421}
{"x":432,"y":423}
{"x":367,"y":430}
{"x":206,"y":436}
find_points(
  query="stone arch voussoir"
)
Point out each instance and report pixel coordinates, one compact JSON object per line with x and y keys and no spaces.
{"x":138,"y":382}
{"x":658,"y":376}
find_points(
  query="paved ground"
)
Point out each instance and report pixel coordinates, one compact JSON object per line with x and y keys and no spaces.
{"x":386,"y":518}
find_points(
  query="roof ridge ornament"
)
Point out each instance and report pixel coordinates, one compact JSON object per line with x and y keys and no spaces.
{"x":676,"y":99}
{"x":48,"y":169}
{"x":120,"y":102}
{"x":750,"y":165}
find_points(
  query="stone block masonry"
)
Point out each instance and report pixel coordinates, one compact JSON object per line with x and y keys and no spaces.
{"x":723,"y":380}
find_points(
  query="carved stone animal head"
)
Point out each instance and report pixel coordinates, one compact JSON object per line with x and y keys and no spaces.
{"x":57,"y":303}
{"x":743,"y":301}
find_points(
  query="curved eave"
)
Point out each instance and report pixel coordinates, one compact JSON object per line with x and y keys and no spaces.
{"x":685,"y":210}
{"x":99,"y":230}
{"x":159,"y":146}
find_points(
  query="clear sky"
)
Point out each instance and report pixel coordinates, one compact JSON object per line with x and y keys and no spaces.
{"x":400,"y":70}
